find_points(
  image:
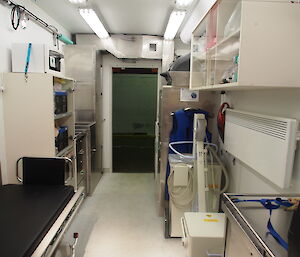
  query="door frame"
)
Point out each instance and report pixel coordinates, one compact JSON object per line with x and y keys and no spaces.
{"x":110,"y":62}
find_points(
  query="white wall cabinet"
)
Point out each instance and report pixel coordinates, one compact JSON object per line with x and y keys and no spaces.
{"x":27,"y":126}
{"x":245,"y":44}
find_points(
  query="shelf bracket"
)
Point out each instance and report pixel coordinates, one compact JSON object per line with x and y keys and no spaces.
{"x":298,"y":136}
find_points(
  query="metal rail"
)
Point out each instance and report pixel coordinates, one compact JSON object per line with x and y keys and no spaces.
{"x":56,"y":232}
{"x":52,"y":29}
{"x":236,"y":216}
{"x":66,"y":159}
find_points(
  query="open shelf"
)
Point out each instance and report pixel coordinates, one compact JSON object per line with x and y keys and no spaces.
{"x":227,"y":41}
{"x":62,"y":115}
{"x":220,"y":87}
{"x":64,"y":123}
{"x":244,"y":54}
{"x":235,"y":87}
{"x":64,"y":151}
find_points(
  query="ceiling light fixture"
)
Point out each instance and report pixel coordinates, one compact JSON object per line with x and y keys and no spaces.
{"x":94,"y":22}
{"x":175,"y":20}
{"x":78,"y":1}
{"x":181,"y":4}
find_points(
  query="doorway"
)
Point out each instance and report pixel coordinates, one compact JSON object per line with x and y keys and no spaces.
{"x":134,"y":95}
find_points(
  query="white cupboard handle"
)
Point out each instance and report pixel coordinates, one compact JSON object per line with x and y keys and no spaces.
{"x":214,"y":254}
{"x":184,"y":234}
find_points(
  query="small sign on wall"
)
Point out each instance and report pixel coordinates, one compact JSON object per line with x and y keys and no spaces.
{"x":187,"y":95}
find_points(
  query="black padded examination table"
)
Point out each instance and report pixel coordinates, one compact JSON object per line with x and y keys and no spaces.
{"x":26,"y":215}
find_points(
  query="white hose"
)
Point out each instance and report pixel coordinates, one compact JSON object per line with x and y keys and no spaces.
{"x":178,"y":153}
{"x":182,"y":156}
{"x":224,"y":170}
{"x":181,"y":196}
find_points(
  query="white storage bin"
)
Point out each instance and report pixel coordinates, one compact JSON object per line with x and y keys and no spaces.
{"x":204,"y":234}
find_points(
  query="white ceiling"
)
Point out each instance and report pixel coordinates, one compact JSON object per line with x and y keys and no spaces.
{"x":119,"y":16}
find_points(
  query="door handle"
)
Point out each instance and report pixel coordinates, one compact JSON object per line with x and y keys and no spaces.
{"x":184,"y":240}
{"x":214,"y":254}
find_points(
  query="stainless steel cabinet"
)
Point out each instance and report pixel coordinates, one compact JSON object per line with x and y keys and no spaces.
{"x":93,"y":155}
{"x":83,"y":63}
{"x":80,"y":62}
{"x":238,"y":244}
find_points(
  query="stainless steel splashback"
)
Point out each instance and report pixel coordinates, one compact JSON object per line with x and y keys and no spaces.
{"x":170,"y":102}
{"x":80,"y":62}
{"x":180,"y":78}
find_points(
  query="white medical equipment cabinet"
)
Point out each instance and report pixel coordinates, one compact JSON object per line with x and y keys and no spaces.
{"x":43,"y":59}
{"x":181,"y":178}
{"x":195,"y":185}
{"x":195,"y":180}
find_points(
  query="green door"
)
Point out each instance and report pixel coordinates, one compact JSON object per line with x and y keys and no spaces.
{"x":134,"y":115}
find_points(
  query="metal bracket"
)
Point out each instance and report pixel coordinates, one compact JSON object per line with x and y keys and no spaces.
{"x":73,"y":246}
{"x":298,"y":135}
{"x":67,"y":160}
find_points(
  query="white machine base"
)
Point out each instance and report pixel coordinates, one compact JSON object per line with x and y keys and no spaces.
{"x":175,"y":216}
{"x":204,"y":233}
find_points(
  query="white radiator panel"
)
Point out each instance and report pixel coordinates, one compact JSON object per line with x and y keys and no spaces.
{"x":265,"y":143}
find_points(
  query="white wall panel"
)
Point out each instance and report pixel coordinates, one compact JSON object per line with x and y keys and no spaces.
{"x":277,"y":102}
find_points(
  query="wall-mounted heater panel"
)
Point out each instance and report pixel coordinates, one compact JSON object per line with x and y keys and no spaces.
{"x":265,"y":143}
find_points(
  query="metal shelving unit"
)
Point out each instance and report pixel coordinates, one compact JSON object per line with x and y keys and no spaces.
{"x":63,"y":115}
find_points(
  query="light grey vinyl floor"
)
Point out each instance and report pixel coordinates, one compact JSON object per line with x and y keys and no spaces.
{"x":120,"y":220}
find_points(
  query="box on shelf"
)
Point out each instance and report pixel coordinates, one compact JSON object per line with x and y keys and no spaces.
{"x":61,"y":141}
{"x":60,"y":102}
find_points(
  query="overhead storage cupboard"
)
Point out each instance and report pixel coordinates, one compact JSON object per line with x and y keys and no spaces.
{"x":245,"y":44}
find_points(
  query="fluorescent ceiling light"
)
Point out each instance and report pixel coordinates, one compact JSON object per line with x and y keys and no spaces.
{"x":183,"y":3}
{"x":175,"y":20}
{"x":94,"y":22}
{"x":78,"y":1}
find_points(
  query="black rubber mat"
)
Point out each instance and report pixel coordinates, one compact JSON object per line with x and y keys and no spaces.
{"x":27,"y":213}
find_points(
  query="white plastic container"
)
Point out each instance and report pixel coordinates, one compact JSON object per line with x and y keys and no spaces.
{"x":204,"y":234}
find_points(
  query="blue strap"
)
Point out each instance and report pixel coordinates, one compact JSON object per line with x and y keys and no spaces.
{"x":28,"y":58}
{"x":274,"y":233}
{"x":271,"y":204}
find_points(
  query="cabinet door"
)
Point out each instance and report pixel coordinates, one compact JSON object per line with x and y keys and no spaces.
{"x":238,"y":244}
{"x":28,"y":120}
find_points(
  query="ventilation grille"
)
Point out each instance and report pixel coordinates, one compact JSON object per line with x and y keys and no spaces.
{"x":265,"y":143}
{"x":272,"y":127}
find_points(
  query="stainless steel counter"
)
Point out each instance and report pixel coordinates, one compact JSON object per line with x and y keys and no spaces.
{"x":93,"y":154}
{"x":250,"y":220}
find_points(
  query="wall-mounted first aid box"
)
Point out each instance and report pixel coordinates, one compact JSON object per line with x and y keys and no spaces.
{"x":42,"y":59}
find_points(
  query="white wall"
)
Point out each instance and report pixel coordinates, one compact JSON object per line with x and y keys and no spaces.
{"x":33,"y":33}
{"x":109,"y":62}
{"x":277,"y":102}
{"x":181,"y":48}
{"x":197,"y":15}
